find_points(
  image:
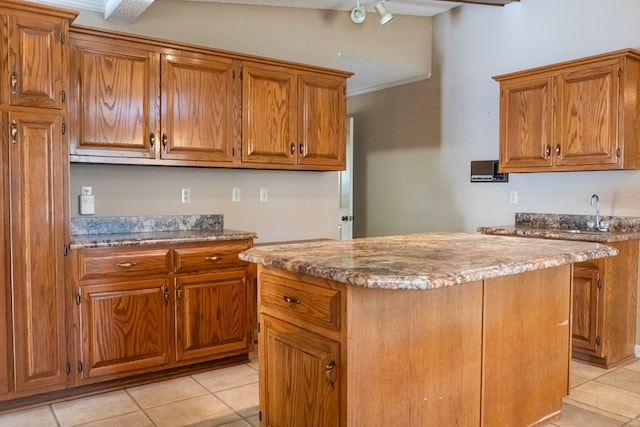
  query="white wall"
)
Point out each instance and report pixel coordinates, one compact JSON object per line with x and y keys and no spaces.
{"x":473,"y":43}
{"x":302,"y":205}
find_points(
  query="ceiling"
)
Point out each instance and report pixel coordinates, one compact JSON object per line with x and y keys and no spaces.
{"x":400,"y":7}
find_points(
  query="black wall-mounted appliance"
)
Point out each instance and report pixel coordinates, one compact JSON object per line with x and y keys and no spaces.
{"x":487,"y":171}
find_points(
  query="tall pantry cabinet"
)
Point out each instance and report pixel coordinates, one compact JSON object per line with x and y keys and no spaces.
{"x":33,"y":202}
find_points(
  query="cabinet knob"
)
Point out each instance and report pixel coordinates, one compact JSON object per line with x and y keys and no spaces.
{"x":152,"y":139}
{"x":328,"y":371}
{"x":290,"y":300}
{"x":14,"y":82}
{"x":126,"y":264}
{"x":164,"y":140}
{"x":293,"y":149}
{"x":558,"y":150}
{"x":213,"y":258}
{"x":14,"y":131}
{"x":166,"y":296}
{"x":301,"y":148}
{"x":548,"y":152}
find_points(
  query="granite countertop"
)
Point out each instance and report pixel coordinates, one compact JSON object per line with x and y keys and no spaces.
{"x":100,"y":232}
{"x":150,"y":238}
{"x":423,"y":261}
{"x":567,"y":227}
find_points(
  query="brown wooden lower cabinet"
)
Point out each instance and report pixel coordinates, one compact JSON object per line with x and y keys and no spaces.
{"x":143,"y":309}
{"x":604,"y":307}
{"x":486,"y":353}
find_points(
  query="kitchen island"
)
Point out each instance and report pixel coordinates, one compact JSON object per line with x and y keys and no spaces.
{"x":416,"y":330}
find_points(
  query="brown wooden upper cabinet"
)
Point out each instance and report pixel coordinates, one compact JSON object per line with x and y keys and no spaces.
{"x":142,"y":101}
{"x":134,"y":104}
{"x":574,"y":116}
{"x":37,"y":60}
{"x":293,"y":119}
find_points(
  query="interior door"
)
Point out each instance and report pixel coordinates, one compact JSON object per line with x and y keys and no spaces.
{"x":345,"y":212}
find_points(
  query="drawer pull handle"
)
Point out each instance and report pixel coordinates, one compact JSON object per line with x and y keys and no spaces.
{"x":213,"y":258}
{"x":328,"y":371}
{"x":291,"y":300}
{"x":126,"y":264}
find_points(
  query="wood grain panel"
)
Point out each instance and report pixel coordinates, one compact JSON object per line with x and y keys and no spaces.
{"x":297,"y":379}
{"x":526,"y":124}
{"x":37,"y":164}
{"x":210,"y":256}
{"x":322,"y":121}
{"x":587,"y":305}
{"x":116,"y":100}
{"x":6,"y":345}
{"x":211,"y":315}
{"x":197,"y":113}
{"x":122,"y":262}
{"x":526,"y":347}
{"x":269,"y":121}
{"x":125,"y":327}
{"x":38,"y":58}
{"x":587,"y":119}
{"x":414,"y":356}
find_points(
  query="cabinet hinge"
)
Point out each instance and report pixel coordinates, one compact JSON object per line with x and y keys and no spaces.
{"x":68,"y":368}
{"x":618,"y":152}
{"x":241,"y":76}
{"x":63,"y":96}
{"x":619,"y":72}
{"x":258,"y":327}
{"x":598,"y":340}
{"x":80,"y":367}
{"x":65,"y":251}
{"x":233,"y":151}
{"x":259,"y":415}
{"x":64,"y":128}
{"x":63,"y":38}
{"x":599,"y":283}
{"x":78,"y":299}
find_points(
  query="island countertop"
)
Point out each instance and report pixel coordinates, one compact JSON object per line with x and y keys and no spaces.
{"x":423,"y":261}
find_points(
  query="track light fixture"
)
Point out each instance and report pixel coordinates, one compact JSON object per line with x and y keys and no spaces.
{"x":385,"y":16}
{"x":358,"y":14}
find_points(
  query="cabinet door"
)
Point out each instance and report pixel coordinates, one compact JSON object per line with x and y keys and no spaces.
{"x":37,"y":168}
{"x":211,"y":315}
{"x":322,"y":122}
{"x":586,"y":306}
{"x":526,"y":125}
{"x":36,"y":60}
{"x":5,"y":283}
{"x":115,"y":101}
{"x":125,"y":327}
{"x":198,"y":98}
{"x":587,"y":117}
{"x":269,"y":115}
{"x":298,"y":369}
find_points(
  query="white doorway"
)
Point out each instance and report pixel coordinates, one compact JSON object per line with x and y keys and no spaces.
{"x":345,"y":210}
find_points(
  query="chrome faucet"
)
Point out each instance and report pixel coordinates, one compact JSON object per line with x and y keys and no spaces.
{"x":595,"y":201}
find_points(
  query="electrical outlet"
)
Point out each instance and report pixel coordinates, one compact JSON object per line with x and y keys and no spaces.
{"x":235,"y":194}
{"x":186,"y":195}
{"x":85,"y":190}
{"x":513,"y":197}
{"x":264,"y":195}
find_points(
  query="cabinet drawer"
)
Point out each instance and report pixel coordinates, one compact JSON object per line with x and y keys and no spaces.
{"x":117,"y":262}
{"x":314,"y":304}
{"x":217,"y":255}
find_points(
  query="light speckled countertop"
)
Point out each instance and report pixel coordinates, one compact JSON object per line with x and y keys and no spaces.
{"x":423,"y":261}
{"x":101,"y":232}
{"x":150,"y":238}
{"x":564,"y":227}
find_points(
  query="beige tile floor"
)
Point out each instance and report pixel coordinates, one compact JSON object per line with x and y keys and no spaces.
{"x":229,"y":398}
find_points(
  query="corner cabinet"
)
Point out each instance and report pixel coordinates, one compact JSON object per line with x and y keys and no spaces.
{"x":604,"y":307}
{"x":33,"y":204}
{"x":574,"y":116}
{"x":137,"y":100}
{"x":144,"y":309}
